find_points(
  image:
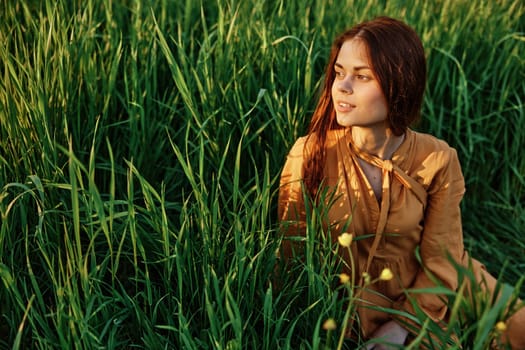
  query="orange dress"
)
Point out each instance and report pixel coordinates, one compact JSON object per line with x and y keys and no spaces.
{"x":422,"y":188}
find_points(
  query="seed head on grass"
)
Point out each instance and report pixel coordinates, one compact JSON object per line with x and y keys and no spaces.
{"x":345,"y":239}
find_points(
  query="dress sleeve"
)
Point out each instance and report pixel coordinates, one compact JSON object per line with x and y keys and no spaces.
{"x":442,"y":237}
{"x":291,"y":209}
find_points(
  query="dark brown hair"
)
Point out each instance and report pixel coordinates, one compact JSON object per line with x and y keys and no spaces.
{"x":398,"y":61}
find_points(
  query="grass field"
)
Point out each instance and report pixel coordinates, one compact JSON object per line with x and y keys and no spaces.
{"x":140,"y":149}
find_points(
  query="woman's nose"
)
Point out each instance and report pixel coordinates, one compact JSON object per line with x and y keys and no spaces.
{"x":345,"y":86}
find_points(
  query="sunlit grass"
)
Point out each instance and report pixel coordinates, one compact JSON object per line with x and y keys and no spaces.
{"x":140,"y":150}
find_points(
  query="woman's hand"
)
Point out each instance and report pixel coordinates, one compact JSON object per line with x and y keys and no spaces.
{"x":389,"y":332}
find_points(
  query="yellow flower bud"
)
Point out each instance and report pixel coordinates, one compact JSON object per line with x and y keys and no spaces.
{"x":344,"y":278}
{"x":501,"y":327}
{"x":329,"y":324}
{"x":386,"y":275}
{"x":345,"y":239}
{"x":366,"y":277}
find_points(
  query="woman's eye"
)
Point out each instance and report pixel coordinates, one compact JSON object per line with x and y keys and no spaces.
{"x":339,"y":74}
{"x":362,"y":77}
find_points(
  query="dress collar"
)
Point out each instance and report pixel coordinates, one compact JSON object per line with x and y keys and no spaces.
{"x":398,"y":157}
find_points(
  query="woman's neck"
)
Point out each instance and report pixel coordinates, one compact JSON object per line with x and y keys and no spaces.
{"x":380,"y":143}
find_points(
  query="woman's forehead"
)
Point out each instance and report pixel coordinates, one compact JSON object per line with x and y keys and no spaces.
{"x":354,"y":52}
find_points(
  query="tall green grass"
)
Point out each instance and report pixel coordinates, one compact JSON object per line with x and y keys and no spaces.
{"x":140,"y":150}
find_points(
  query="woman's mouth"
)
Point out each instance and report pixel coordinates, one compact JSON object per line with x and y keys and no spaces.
{"x":344,"y":106}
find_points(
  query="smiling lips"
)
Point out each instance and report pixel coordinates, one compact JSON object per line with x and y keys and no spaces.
{"x":344,"y":106}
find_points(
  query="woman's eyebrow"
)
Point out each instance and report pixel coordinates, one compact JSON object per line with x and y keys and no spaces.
{"x":339,"y":65}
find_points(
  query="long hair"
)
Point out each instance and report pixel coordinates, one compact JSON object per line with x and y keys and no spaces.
{"x":398,"y":61}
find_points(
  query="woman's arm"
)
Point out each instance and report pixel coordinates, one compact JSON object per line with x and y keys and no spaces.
{"x":291,"y":209}
{"x":442,"y":237}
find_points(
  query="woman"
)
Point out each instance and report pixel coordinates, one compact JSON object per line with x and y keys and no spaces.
{"x":399,"y":187}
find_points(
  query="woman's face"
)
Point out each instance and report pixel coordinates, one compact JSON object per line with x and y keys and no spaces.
{"x":356,"y":94}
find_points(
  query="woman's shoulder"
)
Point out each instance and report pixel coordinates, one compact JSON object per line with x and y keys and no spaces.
{"x":297,"y":149}
{"x":435,"y":163}
{"x":427,"y":145}
{"x":434,"y":160}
